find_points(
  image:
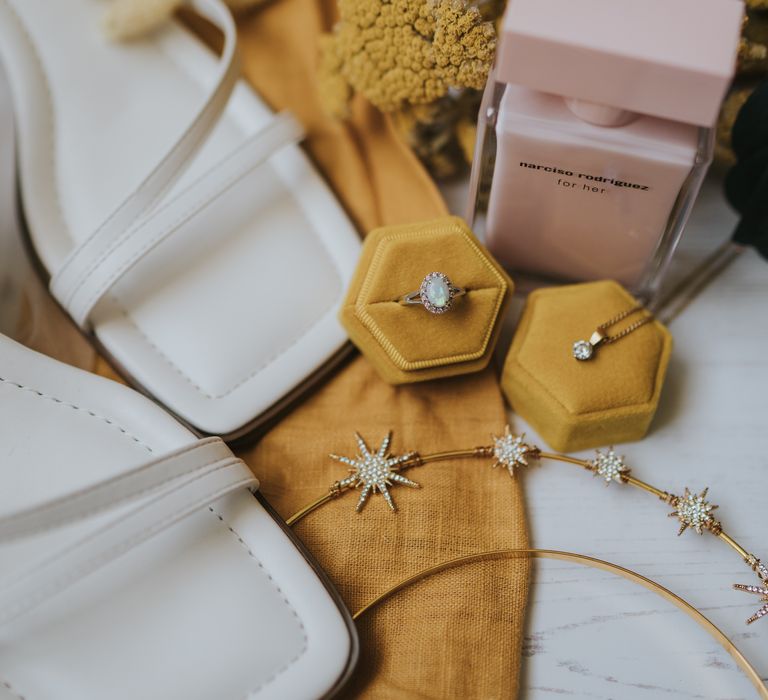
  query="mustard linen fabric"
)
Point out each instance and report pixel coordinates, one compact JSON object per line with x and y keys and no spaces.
{"x":460,"y":633}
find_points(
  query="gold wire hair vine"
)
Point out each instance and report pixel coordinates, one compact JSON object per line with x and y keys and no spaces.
{"x":375,"y":471}
{"x":591,"y":562}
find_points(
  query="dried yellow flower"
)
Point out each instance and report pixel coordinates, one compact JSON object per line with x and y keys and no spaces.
{"x":751,"y":69}
{"x":336,"y":91}
{"x":400,"y":52}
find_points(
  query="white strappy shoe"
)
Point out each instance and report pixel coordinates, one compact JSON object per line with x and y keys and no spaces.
{"x":180,"y":224}
{"x":136,"y":561}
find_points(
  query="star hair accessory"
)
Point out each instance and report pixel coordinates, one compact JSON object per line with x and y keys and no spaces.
{"x":762,"y":590}
{"x":375,"y":472}
{"x":512,"y":452}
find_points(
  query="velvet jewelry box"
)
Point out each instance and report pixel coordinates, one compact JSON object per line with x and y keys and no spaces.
{"x":407,"y":343}
{"x":577,"y":405}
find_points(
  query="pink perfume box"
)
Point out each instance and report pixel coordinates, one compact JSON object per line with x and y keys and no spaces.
{"x":599,"y":51}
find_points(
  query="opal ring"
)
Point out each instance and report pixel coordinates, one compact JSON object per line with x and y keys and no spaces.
{"x":436,"y":293}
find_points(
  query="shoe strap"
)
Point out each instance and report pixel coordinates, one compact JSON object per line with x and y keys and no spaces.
{"x":167,"y":490}
{"x":99,"y":270}
{"x":140,"y":481}
{"x":167,"y":171}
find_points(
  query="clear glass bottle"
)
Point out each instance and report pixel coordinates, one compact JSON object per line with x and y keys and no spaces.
{"x":591,"y":150}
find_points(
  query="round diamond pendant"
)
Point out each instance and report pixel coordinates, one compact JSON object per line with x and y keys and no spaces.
{"x":582,"y":350}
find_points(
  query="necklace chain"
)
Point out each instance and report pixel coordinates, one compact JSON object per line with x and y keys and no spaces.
{"x":620,"y":317}
{"x":584,"y":349}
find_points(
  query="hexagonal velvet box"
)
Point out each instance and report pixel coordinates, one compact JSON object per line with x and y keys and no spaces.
{"x":577,"y":405}
{"x":447,"y":334}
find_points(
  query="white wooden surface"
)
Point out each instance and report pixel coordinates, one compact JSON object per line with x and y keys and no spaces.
{"x":593,"y":636}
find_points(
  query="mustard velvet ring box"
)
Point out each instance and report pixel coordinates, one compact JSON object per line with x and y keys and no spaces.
{"x":406,"y":342}
{"x":577,"y":405}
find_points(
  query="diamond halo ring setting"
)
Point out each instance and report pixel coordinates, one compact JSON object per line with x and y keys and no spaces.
{"x":436,"y":293}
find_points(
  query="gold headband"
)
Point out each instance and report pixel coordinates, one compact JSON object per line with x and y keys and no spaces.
{"x":591,"y":562}
{"x":375,"y":471}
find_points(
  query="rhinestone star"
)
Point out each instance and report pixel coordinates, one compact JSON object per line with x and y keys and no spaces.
{"x":610,"y":467}
{"x":762,"y":590}
{"x":694,"y":511}
{"x":511,"y":451}
{"x":374,"y":471}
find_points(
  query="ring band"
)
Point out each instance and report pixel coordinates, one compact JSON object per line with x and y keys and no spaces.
{"x":436,"y":293}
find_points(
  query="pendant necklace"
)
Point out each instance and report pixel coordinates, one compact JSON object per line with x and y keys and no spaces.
{"x":584,"y":349}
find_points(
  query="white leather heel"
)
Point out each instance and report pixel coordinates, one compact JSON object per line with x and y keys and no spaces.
{"x":135,"y":560}
{"x":180,"y":223}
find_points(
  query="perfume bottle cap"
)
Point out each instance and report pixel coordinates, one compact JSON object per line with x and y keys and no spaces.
{"x":666,"y":58}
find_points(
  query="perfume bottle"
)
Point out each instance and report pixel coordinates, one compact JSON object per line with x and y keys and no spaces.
{"x":595,"y":133}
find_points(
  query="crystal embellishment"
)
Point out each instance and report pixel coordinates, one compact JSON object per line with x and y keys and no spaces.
{"x":610,"y":467}
{"x":693,"y":510}
{"x":762,"y":590}
{"x":582,"y":350}
{"x":511,"y":451}
{"x":374,"y":471}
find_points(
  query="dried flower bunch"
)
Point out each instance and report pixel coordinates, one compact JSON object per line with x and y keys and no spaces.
{"x":401,"y":53}
{"x":394,"y":53}
{"x":751,"y":69}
